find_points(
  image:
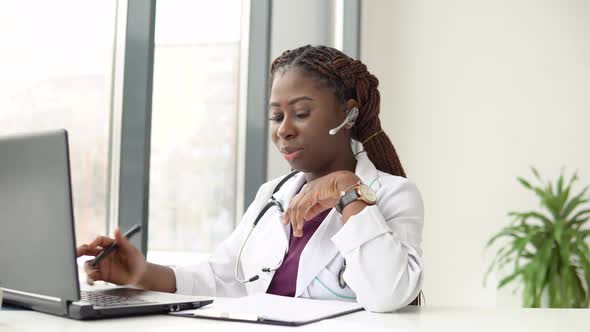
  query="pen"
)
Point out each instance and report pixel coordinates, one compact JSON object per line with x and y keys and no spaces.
{"x":113,"y":246}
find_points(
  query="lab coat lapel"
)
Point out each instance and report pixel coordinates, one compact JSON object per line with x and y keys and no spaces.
{"x":320,"y":249}
{"x":284,"y":196}
{"x":318,"y":252}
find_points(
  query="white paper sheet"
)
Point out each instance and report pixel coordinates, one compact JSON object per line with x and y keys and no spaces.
{"x":272,"y":307}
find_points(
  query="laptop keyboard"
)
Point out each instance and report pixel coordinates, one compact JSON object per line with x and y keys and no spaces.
{"x":105,"y":300}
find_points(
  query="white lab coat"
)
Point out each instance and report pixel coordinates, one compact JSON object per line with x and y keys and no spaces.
{"x":381,"y":246}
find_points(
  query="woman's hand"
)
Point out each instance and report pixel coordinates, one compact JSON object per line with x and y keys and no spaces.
{"x":126,"y":265}
{"x":316,"y":196}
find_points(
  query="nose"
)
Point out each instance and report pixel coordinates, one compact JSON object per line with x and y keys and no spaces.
{"x":286,"y":128}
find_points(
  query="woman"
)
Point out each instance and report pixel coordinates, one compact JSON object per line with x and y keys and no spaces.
{"x":351,"y":225}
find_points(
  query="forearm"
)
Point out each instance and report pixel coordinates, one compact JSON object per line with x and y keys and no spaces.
{"x":345,"y":181}
{"x":383,"y":259}
{"x":352,"y":209}
{"x":388,"y":283}
{"x":158,"y":278}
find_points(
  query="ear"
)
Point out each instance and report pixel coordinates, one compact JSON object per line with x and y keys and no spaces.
{"x":350,"y":105}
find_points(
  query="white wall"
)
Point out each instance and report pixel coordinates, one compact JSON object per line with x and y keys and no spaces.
{"x":473,"y":92}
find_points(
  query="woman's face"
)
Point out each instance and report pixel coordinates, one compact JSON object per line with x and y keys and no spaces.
{"x":301,"y":114}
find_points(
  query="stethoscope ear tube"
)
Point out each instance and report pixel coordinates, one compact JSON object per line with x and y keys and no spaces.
{"x":263,"y":211}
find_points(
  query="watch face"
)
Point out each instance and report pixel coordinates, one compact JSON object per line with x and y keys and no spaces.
{"x":368,"y":194}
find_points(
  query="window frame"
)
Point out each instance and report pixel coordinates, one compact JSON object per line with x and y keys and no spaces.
{"x":132,"y":106}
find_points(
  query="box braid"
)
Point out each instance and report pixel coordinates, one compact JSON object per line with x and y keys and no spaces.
{"x":350,"y":79}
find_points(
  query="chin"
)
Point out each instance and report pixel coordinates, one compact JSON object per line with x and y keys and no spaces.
{"x":299,"y":165}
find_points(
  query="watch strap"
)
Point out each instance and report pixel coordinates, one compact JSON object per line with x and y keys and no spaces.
{"x":349,"y":196}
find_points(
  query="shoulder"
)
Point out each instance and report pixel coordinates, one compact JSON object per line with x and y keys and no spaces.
{"x":394,"y":183}
{"x":399,"y":193}
{"x":262,"y":197}
{"x":266,"y":189}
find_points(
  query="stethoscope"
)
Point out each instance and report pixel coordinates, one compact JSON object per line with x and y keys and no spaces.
{"x":274,"y":202}
{"x":271,"y":202}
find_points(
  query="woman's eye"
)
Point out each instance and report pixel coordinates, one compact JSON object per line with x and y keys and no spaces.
{"x":301,"y":115}
{"x":276,"y":118}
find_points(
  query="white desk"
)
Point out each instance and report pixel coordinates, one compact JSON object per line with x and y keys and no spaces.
{"x":408,"y":319}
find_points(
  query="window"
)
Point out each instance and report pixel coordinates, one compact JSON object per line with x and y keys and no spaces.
{"x":56,"y":73}
{"x":194,"y":125}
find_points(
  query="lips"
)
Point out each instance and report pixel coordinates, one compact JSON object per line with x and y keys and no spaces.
{"x":290,"y":153}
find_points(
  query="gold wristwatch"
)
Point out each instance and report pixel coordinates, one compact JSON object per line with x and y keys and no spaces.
{"x":361,"y":192}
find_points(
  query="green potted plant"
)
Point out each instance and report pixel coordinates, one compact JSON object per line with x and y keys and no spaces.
{"x":546,"y":249}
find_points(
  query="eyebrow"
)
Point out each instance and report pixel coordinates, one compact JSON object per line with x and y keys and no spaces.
{"x":293,"y":101}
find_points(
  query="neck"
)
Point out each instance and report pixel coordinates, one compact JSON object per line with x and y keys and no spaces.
{"x":347,"y":162}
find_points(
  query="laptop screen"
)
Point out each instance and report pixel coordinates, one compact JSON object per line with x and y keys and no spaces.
{"x":37,"y":241}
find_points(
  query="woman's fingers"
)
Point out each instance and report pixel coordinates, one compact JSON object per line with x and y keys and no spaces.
{"x":92,"y":273}
{"x":296,"y":211}
{"x":290,"y":213}
{"x":122,"y":242}
{"x":84,"y":250}
{"x":89,"y":280}
{"x":313,"y":211}
{"x":88,"y":250}
{"x":101,"y":241}
{"x":313,"y":198}
{"x":297,"y":230}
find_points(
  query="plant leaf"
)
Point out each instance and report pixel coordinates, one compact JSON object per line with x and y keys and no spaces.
{"x":525,"y":216}
{"x":550,"y":201}
{"x":573,"y":203}
{"x":585,"y":264}
{"x":536,"y":173}
{"x":578,"y":294}
{"x":553,"y":283}
{"x":541,"y":269}
{"x":509,"y":278}
{"x":513,"y":231}
{"x":548,"y":247}
{"x":579,"y":218}
{"x":558,"y":233}
{"x":525,"y":183}
{"x":573,"y":179}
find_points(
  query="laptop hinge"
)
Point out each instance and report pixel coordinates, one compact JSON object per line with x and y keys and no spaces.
{"x":65,"y":305}
{"x":49,"y":304}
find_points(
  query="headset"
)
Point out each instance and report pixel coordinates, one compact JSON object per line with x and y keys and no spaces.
{"x":349,"y":120}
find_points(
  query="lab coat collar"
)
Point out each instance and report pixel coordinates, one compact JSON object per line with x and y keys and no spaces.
{"x":366,"y":171}
{"x":320,"y":249}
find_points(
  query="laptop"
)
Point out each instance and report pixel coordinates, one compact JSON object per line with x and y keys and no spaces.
{"x":38,"y":268}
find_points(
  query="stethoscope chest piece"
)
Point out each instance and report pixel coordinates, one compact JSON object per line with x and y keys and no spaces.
{"x":341,"y":281}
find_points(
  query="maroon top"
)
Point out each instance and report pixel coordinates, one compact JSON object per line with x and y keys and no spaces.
{"x":284,"y":281}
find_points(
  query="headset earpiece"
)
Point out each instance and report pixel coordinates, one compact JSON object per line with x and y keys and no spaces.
{"x":349,"y":120}
{"x":351,"y":116}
